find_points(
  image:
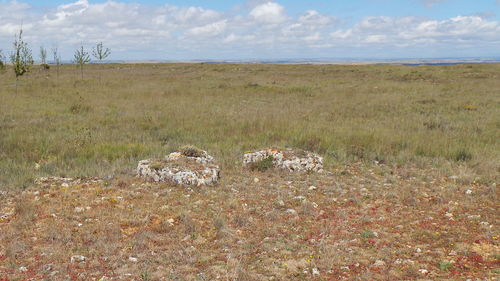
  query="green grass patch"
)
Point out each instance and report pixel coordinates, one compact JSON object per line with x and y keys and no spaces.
{"x":397,"y":115}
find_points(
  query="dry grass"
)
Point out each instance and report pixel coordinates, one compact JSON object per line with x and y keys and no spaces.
{"x":358,"y":223}
{"x":432,"y":115}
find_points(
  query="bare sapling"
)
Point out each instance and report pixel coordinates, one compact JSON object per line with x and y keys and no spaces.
{"x":56,"y":60}
{"x":81,"y":58}
{"x":2,"y":61}
{"x":43,"y":58}
{"x":100,"y":53}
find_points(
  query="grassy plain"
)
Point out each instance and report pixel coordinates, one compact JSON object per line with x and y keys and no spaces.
{"x":409,"y":190}
{"x":425,"y":115}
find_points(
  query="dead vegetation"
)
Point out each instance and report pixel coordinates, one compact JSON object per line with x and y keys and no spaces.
{"x":357,"y":222}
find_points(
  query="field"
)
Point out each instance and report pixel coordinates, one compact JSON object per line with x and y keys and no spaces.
{"x":409,"y":191}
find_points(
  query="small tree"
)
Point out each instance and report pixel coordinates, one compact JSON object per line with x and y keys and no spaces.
{"x":100,"y":53}
{"x":21,"y":58}
{"x":43,"y":58}
{"x":81,"y":58}
{"x":57,"y":60}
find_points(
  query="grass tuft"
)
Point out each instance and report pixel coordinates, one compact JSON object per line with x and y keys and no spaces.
{"x":191,"y":151}
{"x":262,"y":165}
{"x":462,"y":155}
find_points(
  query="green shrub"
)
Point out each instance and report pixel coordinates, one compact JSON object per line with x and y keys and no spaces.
{"x":262,"y":165}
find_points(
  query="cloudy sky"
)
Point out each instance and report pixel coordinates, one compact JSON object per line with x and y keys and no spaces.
{"x":258,"y":29}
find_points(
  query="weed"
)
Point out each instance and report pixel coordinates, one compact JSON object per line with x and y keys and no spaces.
{"x":145,"y":276}
{"x":252,"y":85}
{"x":445,"y":265}
{"x":469,"y":107}
{"x":367,"y":234}
{"x":311,"y":144}
{"x":79,"y":108}
{"x":220,"y":226}
{"x":462,"y":155}
{"x":433,"y":125}
{"x":83,"y":136}
{"x":427,"y":101}
{"x":416,"y":76}
{"x":190,"y":226}
{"x":241,"y":220}
{"x":307,"y":209}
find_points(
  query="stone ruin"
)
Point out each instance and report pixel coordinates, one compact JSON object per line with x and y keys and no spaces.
{"x":187,"y":166}
{"x":64,"y":182}
{"x":287,"y":159}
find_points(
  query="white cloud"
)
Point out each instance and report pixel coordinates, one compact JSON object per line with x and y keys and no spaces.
{"x":262,"y":29}
{"x":269,"y":12}
{"x":312,"y":17}
{"x":376,"y":38}
{"x":412,"y":30}
{"x":209,"y":30}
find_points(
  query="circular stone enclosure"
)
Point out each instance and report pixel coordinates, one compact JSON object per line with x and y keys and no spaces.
{"x":179,"y":168}
{"x":287,"y":159}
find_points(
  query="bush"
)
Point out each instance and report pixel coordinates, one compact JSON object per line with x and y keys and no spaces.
{"x":156,"y":165}
{"x":262,"y":165}
{"x":191,"y":151}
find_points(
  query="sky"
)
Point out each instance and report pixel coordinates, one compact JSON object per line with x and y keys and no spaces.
{"x":258,"y":29}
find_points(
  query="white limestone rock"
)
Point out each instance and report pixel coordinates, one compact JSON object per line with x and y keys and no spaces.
{"x":288,"y":159}
{"x":64,"y":182}
{"x":181,"y":169}
{"x":78,"y":259}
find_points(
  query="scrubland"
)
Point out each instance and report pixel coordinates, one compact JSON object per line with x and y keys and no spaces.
{"x":409,"y":189}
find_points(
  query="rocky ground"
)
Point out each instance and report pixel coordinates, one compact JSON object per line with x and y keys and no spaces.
{"x":358,"y":222}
